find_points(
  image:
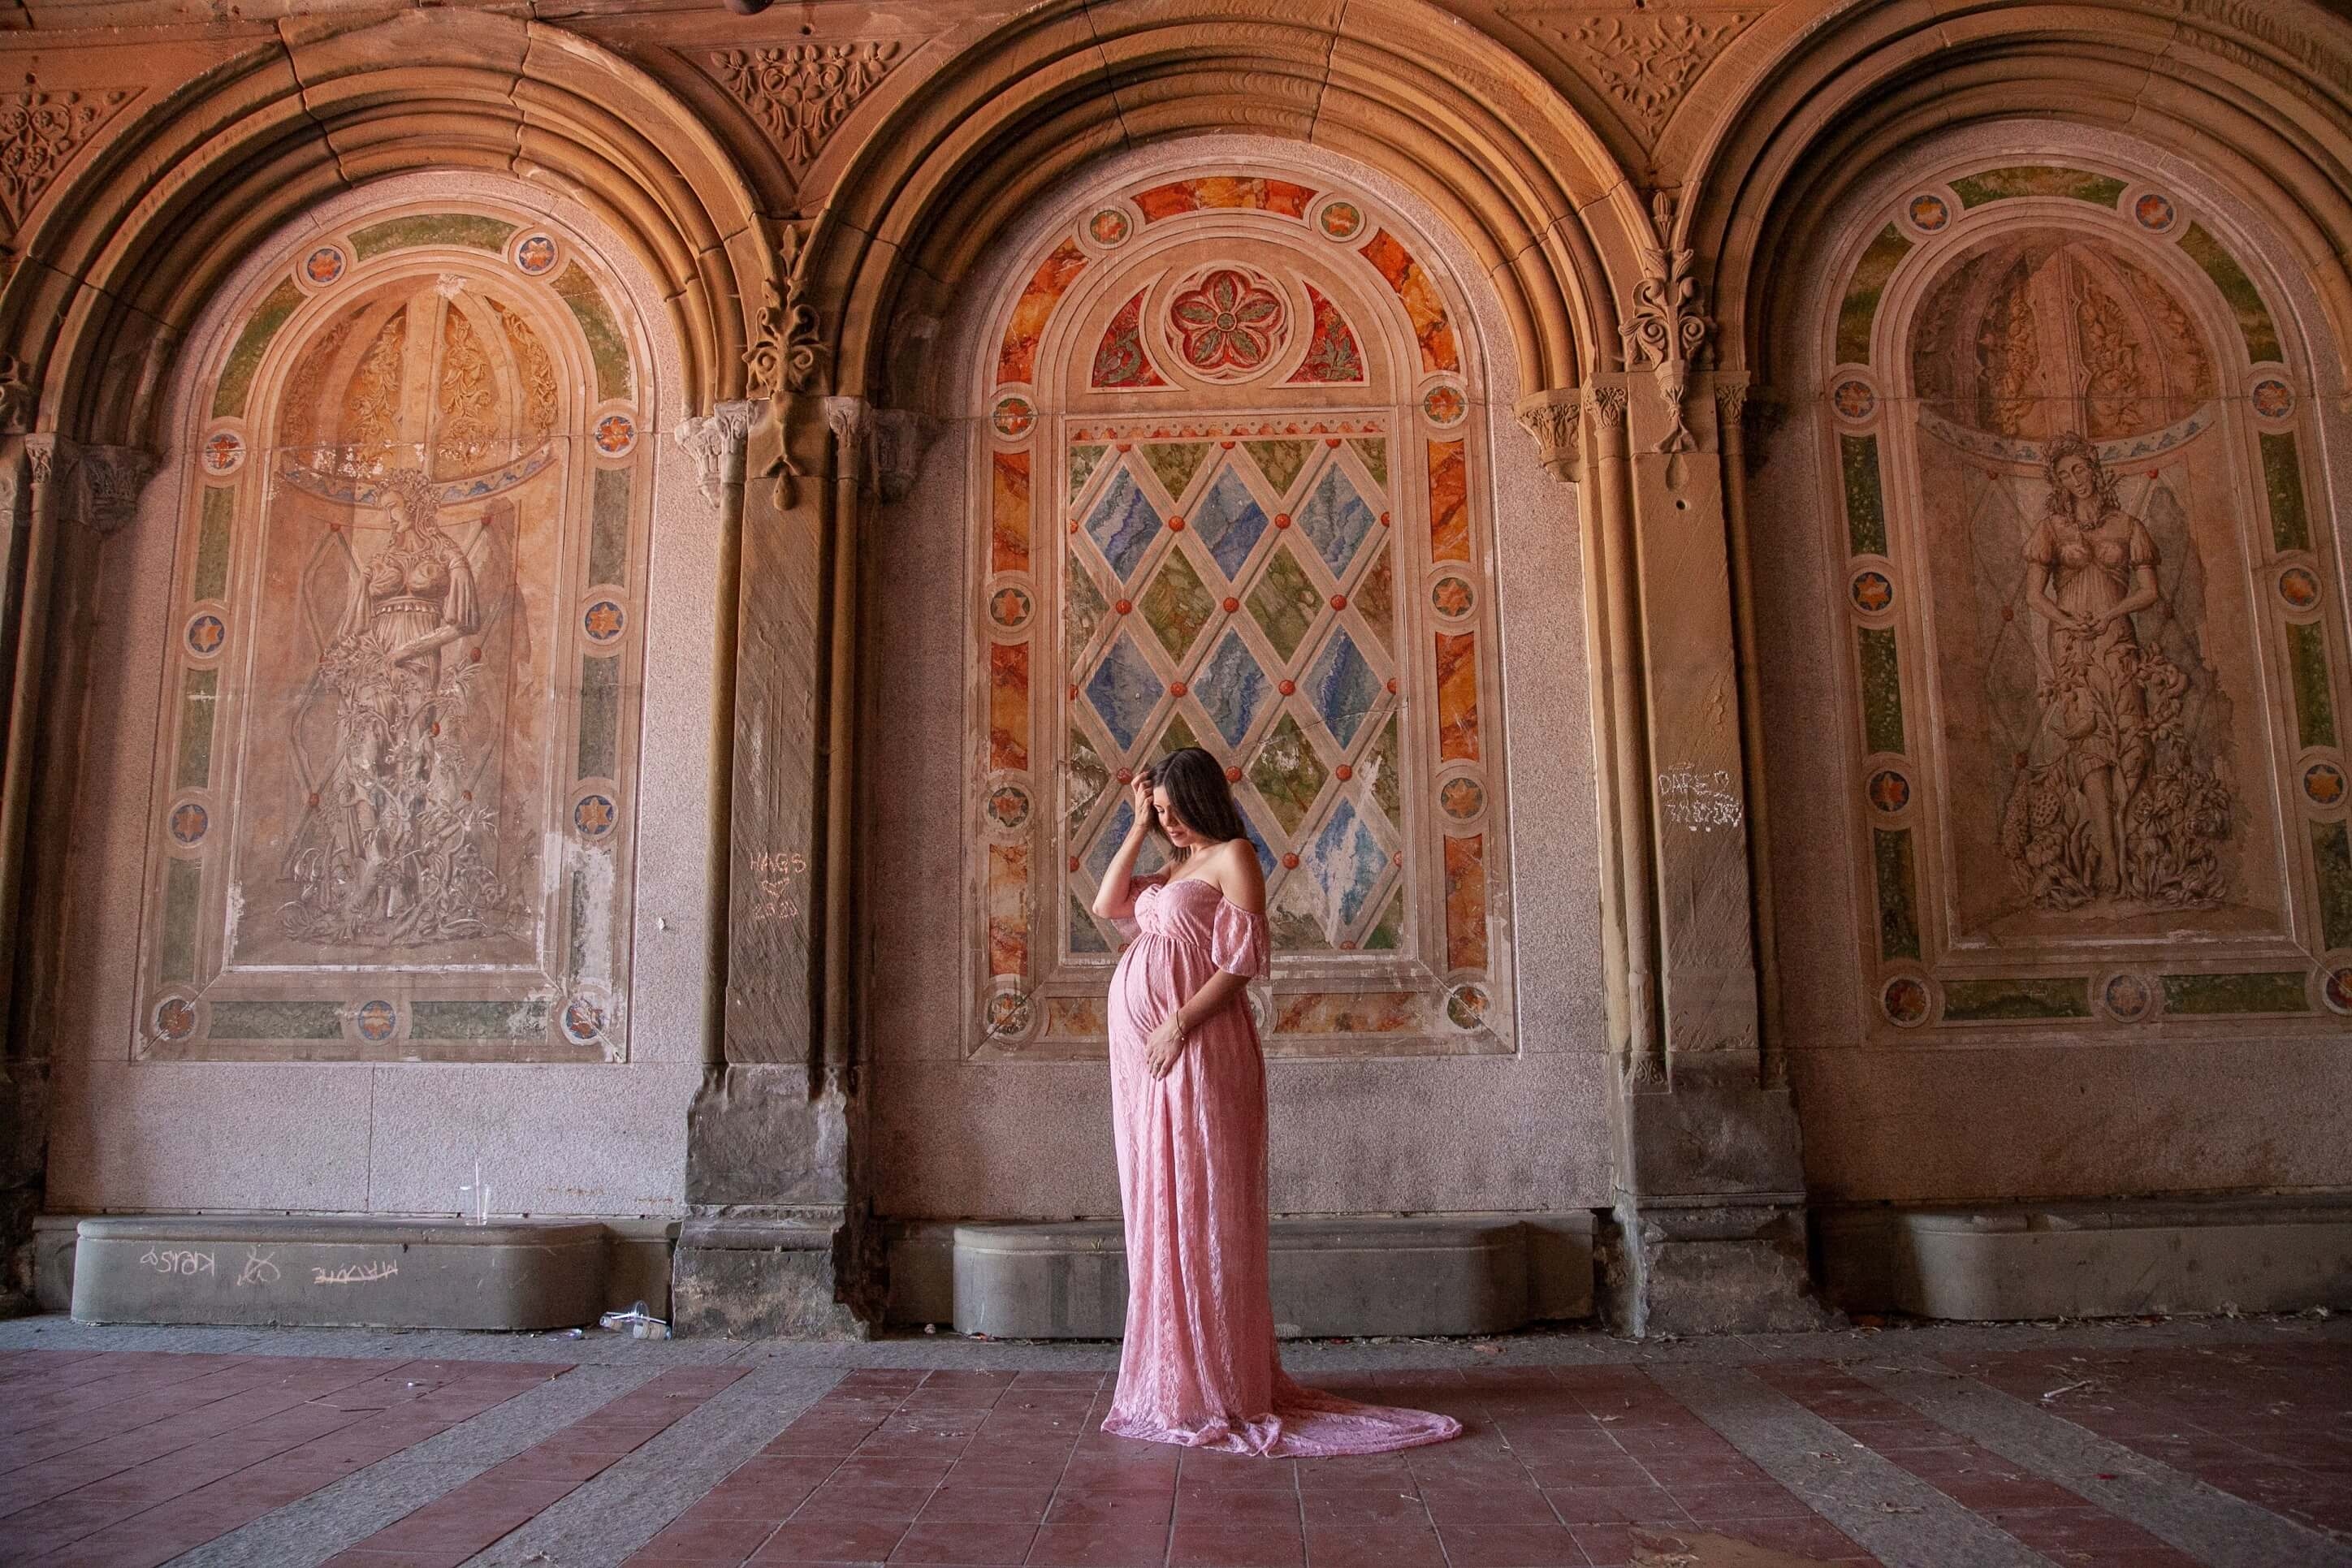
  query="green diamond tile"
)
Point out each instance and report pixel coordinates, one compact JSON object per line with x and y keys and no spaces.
{"x":1177,"y":604}
{"x":1383,"y":765}
{"x":1376,"y":600}
{"x":1288,"y":774}
{"x":1374,"y":451}
{"x":1082,"y":462}
{"x":1390,"y":933}
{"x":1087,"y":777}
{"x":1177,"y":735}
{"x":1279,"y":461}
{"x":1284,"y":602}
{"x":1085,"y":937}
{"x":1176,"y":462}
{"x":1083,"y":608}
{"x":1294,"y":915}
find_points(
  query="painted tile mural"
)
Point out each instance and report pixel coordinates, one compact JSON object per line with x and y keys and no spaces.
{"x":1238,"y":404}
{"x":396,"y":776}
{"x":2069,"y":465}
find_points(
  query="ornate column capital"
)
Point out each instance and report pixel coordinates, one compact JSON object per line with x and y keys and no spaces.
{"x":1607,"y":406}
{"x":107,"y":482}
{"x":50,"y":457}
{"x":18,"y":397}
{"x":716,"y":440}
{"x":848,"y":418}
{"x":895,"y":444}
{"x":1556,"y":421}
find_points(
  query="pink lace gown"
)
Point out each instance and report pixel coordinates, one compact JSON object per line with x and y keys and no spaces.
{"x":1199,"y":1367}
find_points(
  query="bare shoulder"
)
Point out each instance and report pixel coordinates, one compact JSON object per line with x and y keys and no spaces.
{"x":1239,"y":876}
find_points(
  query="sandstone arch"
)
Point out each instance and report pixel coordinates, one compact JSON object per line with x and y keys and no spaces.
{"x":116,"y":267}
{"x":1530,"y":189}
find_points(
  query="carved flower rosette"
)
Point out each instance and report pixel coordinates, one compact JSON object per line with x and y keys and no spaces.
{"x":1227,"y":323}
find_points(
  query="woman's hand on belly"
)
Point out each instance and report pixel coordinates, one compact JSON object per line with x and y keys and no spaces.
{"x":1164,"y":1046}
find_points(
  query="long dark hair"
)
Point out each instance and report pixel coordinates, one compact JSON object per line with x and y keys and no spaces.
{"x":1198,"y":794}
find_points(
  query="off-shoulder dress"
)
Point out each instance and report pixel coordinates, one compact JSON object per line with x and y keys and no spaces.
{"x":1199,"y":1365}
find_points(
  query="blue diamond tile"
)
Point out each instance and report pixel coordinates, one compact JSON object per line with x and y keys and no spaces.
{"x":1257,"y":841}
{"x":1343,"y":686}
{"x":1124,"y":689}
{"x":1229,"y":521}
{"x":1150,"y":859}
{"x":1232,"y":687}
{"x":1123,"y":524}
{"x":1347,"y":863}
{"x":1336,"y":519}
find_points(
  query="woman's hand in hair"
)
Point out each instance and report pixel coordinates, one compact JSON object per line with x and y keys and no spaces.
{"x":1140,"y":790}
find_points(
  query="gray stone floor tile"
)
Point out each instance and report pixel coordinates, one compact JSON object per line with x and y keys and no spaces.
{"x":2208,"y":1524}
{"x":1900,"y":1518}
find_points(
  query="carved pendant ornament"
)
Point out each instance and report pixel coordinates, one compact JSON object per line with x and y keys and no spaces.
{"x":1666,"y":328}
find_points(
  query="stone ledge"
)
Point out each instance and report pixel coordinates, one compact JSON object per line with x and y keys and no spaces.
{"x":1464,"y":1274}
{"x":343,"y":1272}
{"x":2088,"y":1259}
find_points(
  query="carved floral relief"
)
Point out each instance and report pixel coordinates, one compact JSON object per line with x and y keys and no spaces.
{"x":41,"y":129}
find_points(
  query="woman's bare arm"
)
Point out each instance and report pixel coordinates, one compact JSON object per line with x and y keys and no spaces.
{"x":1115,"y":899}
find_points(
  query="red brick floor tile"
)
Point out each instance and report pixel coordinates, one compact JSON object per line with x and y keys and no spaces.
{"x":863,"y":1500}
{"x":1236,"y":1546}
{"x":1236,"y":1505}
{"x":1511,"y":1546}
{"x":890,"y":1471}
{"x":1095,"y":1546}
{"x":1377,"y":1546}
{"x":1616,"y":1505}
{"x":1605,"y":1545}
{"x":959,"y":1500}
{"x":704,"y":1539}
{"x":1762,"y":1499}
{"x":1350,"y":1472}
{"x":1132,"y":1509}
{"x":1366,"y":1506}
{"x":1622,"y":1471}
{"x":968,"y":1543}
{"x":831,"y":1540}
{"x":1215,"y":1467}
{"x":1812,"y":1536}
{"x":1453,"y":1505}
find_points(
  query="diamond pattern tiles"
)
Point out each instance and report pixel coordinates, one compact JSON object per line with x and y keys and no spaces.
{"x":1123,"y":524}
{"x":1336,"y":519}
{"x":1124,"y":689}
{"x":1229,"y":521}
{"x":1253,"y":615}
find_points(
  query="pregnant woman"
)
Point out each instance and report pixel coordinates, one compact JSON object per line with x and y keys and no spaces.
{"x":1188,"y":1110}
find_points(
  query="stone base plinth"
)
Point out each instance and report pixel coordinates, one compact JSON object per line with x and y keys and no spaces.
{"x":2091,"y":1260}
{"x":1455,"y":1275}
{"x":1708,"y":1265}
{"x":756,"y":1279}
{"x":354,"y":1273}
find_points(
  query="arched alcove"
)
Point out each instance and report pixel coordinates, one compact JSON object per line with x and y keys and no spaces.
{"x":1283,"y":540}
{"x":2052,"y":571}
{"x":408,"y":726}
